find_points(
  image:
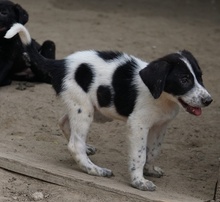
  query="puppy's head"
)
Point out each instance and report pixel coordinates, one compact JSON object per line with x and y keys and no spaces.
{"x":179,"y":75}
{"x":11,"y":13}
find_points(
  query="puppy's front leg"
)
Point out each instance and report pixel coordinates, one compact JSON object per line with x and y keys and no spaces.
{"x":155,"y":139}
{"x":137,"y":151}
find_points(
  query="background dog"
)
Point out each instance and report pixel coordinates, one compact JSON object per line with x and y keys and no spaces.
{"x":145,"y":95}
{"x":14,"y":63}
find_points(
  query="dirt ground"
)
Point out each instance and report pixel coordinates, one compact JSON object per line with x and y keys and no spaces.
{"x":147,"y":29}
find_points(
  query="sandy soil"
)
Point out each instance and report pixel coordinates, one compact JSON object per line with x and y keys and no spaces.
{"x":147,"y":29}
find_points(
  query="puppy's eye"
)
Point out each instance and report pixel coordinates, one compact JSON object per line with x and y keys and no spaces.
{"x":3,"y":12}
{"x":185,"y":80}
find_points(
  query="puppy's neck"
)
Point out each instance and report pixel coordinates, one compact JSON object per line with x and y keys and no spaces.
{"x":169,"y":104}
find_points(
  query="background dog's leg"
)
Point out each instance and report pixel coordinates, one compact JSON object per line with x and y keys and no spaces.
{"x":48,"y":49}
{"x":155,"y":139}
{"x":65,"y":127}
{"x":137,"y":151}
{"x":4,"y":73}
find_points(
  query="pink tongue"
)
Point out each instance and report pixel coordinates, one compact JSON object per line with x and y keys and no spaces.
{"x":194,"y":110}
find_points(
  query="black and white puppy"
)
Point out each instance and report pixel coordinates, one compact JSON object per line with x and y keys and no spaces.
{"x":145,"y":95}
{"x":14,"y":63}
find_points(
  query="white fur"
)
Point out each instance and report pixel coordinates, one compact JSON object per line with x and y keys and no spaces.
{"x":19,"y":28}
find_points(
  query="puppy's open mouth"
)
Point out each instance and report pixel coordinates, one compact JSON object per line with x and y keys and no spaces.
{"x":197,"y":111}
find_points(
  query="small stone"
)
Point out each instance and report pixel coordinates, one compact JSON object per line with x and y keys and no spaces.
{"x":47,"y":195}
{"x":37,"y":196}
{"x":15,"y":198}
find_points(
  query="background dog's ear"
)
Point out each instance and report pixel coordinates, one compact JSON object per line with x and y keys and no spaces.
{"x":22,"y":15}
{"x":154,"y":76}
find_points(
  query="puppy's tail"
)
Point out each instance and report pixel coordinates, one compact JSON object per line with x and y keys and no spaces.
{"x":55,"y":68}
{"x":18,"y":28}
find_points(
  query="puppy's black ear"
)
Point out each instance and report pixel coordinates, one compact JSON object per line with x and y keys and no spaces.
{"x":22,"y":15}
{"x":154,"y":76}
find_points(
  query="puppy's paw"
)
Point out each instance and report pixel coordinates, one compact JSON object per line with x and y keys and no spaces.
{"x":153,"y":171}
{"x":106,"y":172}
{"x":90,"y":150}
{"x":102,"y":172}
{"x":144,"y":185}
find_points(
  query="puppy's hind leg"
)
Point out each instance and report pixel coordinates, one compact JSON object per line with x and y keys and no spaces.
{"x":64,"y":124}
{"x":80,"y":118}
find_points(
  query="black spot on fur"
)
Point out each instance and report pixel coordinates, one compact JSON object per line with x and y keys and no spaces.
{"x":124,"y":88}
{"x":109,"y":55}
{"x":79,"y":111}
{"x":84,"y":76}
{"x":104,"y":96}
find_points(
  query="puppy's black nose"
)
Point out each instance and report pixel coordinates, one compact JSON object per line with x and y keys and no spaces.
{"x":207,"y":101}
